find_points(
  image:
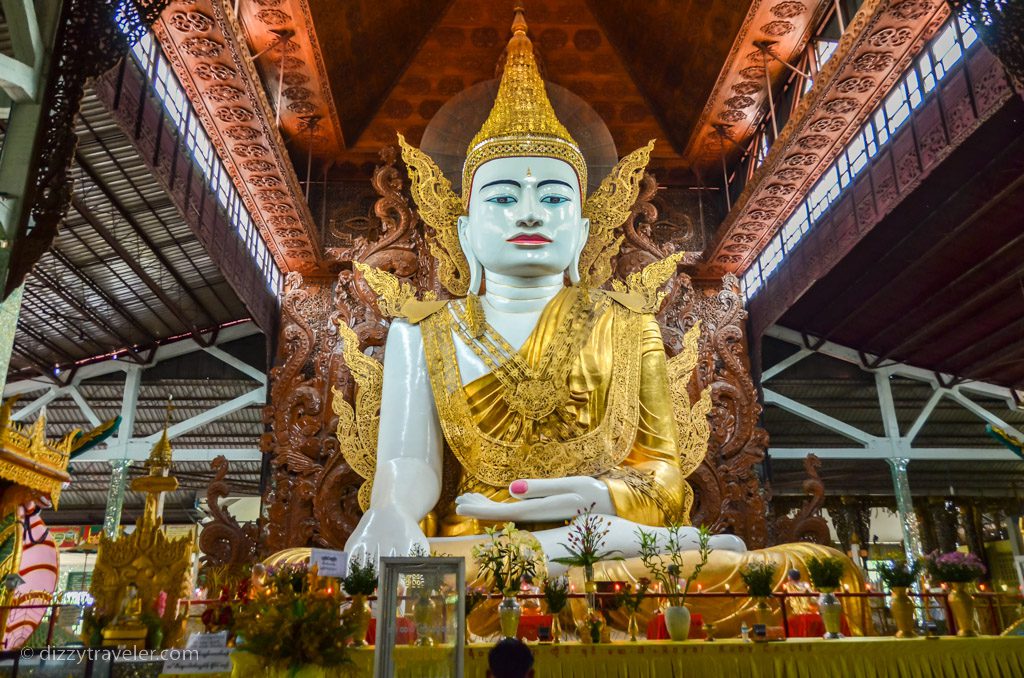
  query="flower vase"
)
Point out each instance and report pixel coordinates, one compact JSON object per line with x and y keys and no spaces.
{"x":831,"y":611}
{"x":590,"y":586}
{"x":359,"y":613}
{"x":556,"y":628}
{"x":903,"y":613}
{"x":509,"y":612}
{"x":591,"y":629}
{"x":961,"y":602}
{"x":677,"y":621}
{"x":634,"y":627}
{"x":422,"y":615}
{"x":764,"y":612}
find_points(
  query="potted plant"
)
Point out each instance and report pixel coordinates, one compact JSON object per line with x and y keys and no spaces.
{"x":958,"y":570}
{"x":556,"y":594}
{"x":360,"y":583}
{"x":898,"y":576}
{"x":759,"y":578}
{"x":826,"y":576}
{"x":506,"y":557}
{"x":632,"y":598}
{"x":667,"y":564}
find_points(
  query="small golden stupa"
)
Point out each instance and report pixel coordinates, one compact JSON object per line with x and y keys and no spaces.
{"x":132,"y":570}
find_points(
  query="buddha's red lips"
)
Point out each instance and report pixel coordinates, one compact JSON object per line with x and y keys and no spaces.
{"x":529,"y":239}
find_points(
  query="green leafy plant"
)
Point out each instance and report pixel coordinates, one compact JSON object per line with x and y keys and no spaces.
{"x":556,"y":593}
{"x":507,"y":556}
{"x":361,"y":579}
{"x":292,"y":623}
{"x":897,"y":573}
{"x":633,"y":596}
{"x":758,"y":577}
{"x":826,"y":573}
{"x":585,"y":542}
{"x":667,"y":564}
{"x":474,"y":596}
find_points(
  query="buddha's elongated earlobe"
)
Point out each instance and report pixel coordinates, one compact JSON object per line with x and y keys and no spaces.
{"x":476,"y":271}
{"x":574,"y":267}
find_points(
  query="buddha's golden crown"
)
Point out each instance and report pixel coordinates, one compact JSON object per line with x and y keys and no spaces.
{"x":522,"y":122}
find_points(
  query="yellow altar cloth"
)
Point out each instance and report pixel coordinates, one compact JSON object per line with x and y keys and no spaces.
{"x":987,"y":657}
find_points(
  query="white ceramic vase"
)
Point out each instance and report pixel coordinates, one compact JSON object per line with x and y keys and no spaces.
{"x":677,"y":620}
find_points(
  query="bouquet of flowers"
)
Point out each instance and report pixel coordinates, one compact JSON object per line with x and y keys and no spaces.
{"x":507,"y":556}
{"x":586,"y":541}
{"x":758,"y":577}
{"x":666,"y":564}
{"x":954,"y":567}
{"x":899,"y":574}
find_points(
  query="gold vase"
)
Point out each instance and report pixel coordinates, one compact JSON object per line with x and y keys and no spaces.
{"x":903,"y":613}
{"x":634,"y":627}
{"x":509,"y":612}
{"x":359,"y":613}
{"x":962,"y":603}
{"x":556,"y":629}
{"x":423,"y":615}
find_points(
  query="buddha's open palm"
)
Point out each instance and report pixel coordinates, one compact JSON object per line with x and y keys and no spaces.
{"x":540,"y":500}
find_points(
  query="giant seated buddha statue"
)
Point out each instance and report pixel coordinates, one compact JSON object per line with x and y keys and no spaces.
{"x":523,"y":398}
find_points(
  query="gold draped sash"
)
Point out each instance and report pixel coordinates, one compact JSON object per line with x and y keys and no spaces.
{"x":616,"y":424}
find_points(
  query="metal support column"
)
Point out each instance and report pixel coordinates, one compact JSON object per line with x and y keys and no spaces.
{"x":121,"y":462}
{"x":905,"y":508}
{"x":115,"y":496}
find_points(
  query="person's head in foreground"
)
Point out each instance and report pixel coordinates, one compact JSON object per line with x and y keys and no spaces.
{"x":510,"y":658}
{"x":794,"y":575}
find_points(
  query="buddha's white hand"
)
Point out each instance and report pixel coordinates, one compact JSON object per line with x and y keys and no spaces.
{"x":385,"y":531}
{"x":540,"y":500}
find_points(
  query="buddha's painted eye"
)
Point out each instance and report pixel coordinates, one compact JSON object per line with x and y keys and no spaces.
{"x":503,"y":200}
{"x":554,"y":199}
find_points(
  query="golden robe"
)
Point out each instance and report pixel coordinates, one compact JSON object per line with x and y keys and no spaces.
{"x":636,"y":455}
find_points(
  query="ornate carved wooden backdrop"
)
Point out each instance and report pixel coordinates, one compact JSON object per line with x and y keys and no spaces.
{"x":313,"y":497}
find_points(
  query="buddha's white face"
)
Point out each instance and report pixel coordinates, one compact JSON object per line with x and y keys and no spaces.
{"x":525,"y":218}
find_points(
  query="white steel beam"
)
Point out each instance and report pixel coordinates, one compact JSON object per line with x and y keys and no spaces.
{"x":39,"y":403}
{"x":926,"y":411}
{"x":901,"y":369}
{"x":785,"y":364}
{"x":87,"y":411}
{"x":240,"y":365}
{"x":172,"y":349}
{"x":883,"y":453}
{"x":984,"y":414}
{"x":256,"y":396}
{"x":139,"y":451}
{"x":819,"y":418}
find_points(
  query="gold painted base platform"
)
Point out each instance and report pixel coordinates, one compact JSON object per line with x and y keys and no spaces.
{"x":125,"y":637}
{"x":860,"y":657}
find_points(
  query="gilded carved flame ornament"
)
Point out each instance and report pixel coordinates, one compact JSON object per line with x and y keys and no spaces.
{"x":358,"y":424}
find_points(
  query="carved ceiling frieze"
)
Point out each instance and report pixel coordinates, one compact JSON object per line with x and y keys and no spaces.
{"x":291,"y":65}
{"x":879,"y":44}
{"x":215,"y":69}
{"x":739,"y":98}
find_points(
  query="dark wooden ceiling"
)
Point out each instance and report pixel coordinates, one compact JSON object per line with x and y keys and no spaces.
{"x":647,"y":67}
{"x":939,"y":283}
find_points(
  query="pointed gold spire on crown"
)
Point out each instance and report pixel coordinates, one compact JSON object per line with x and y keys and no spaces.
{"x":522,"y":122}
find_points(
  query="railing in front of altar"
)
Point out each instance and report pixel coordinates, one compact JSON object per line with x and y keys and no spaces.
{"x":994,"y":612}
